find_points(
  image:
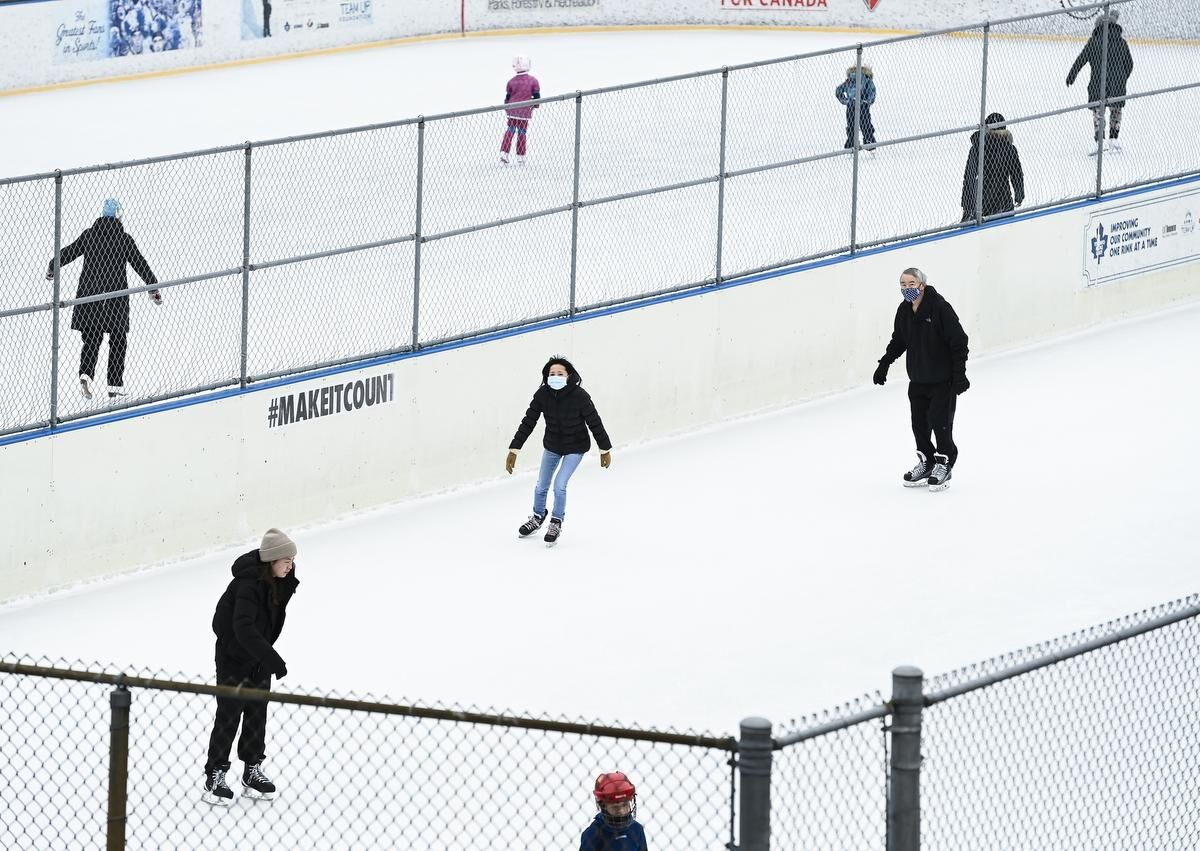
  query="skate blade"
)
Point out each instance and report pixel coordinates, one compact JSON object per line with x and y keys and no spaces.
{"x":216,"y":800}
{"x":941,"y":487}
{"x":550,"y":544}
{"x":919,"y":483}
{"x":254,"y":795}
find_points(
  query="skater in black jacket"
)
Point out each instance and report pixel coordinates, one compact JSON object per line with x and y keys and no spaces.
{"x":248,"y":620}
{"x":927,"y":328}
{"x":1001,"y":169}
{"x":569,"y":413}
{"x":1118,"y":66}
{"x":106,"y":249}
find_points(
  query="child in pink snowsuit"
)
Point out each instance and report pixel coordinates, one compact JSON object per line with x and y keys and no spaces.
{"x":522,"y":87}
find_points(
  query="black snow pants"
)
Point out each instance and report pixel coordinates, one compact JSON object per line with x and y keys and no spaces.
{"x":932,"y":407}
{"x":252,"y":715}
{"x":865,"y":125}
{"x":116,"y":356}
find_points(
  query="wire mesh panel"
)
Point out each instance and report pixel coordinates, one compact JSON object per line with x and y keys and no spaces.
{"x":465,"y":182}
{"x":924,"y":85}
{"x":1144,"y":155}
{"x":29,"y":207}
{"x":345,"y":779}
{"x":785,"y":111}
{"x":314,"y":195}
{"x":54,"y":749}
{"x":769,"y":218}
{"x":831,"y":791}
{"x":650,"y":136}
{"x":1030,"y":159}
{"x":25,"y":364}
{"x":330,"y":309}
{"x":497,"y":277}
{"x":1098,"y":751}
{"x":1026,"y":74}
{"x":918,"y":183}
{"x":639,"y":246}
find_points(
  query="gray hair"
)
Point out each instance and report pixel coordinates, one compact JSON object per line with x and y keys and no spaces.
{"x":916,"y":273}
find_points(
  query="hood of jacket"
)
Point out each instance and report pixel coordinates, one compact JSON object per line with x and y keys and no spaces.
{"x":108,"y":225}
{"x":997,"y":135}
{"x":929,"y":300}
{"x":573,"y":378}
{"x":1114,"y":31}
{"x":866,"y":70}
{"x":249,"y":566}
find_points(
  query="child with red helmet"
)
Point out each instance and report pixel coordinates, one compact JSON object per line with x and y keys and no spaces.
{"x":615,"y":826}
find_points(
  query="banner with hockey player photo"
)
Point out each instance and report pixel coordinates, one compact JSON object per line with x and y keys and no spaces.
{"x":111,"y":29}
{"x":1140,"y":237}
{"x":276,"y":18}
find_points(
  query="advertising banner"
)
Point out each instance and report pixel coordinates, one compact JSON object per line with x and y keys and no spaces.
{"x":1141,"y":236}
{"x":111,"y":29}
{"x":283,"y":18}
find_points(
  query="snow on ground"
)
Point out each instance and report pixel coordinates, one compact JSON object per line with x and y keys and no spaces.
{"x":770,"y":566}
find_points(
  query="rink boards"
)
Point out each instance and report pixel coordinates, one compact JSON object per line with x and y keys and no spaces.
{"x":198,"y":475}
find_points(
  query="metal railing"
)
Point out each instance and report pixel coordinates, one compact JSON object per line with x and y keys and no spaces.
{"x":1087,"y":741}
{"x":289,"y":255}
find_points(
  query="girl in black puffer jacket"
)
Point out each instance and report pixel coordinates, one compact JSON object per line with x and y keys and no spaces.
{"x":570,"y":413}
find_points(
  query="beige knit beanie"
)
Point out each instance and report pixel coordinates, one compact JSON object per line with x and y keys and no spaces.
{"x":276,"y":545}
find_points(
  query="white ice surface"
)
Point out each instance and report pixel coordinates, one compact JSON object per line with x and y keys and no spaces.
{"x":772,"y":565}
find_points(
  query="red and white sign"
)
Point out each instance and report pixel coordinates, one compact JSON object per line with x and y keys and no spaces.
{"x":871,"y":4}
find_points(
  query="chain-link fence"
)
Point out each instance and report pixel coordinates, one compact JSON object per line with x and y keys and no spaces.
{"x":273,"y":258}
{"x":1088,"y":741}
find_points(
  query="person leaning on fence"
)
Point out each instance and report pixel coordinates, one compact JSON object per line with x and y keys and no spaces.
{"x":1003,"y":178}
{"x":1118,"y":67}
{"x":247,"y":622}
{"x":106,"y":249}
{"x":927,"y":328}
{"x":845,"y":94}
{"x":615,"y":826}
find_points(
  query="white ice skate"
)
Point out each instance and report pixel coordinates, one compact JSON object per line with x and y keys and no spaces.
{"x":1100,"y":146}
{"x":504,"y":157}
{"x":85,"y":385}
{"x":1114,"y":146}
{"x":520,"y":159}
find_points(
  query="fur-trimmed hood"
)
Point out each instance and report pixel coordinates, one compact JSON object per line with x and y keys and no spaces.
{"x":866,"y":69}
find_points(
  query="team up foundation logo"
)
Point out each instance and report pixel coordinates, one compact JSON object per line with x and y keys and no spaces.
{"x":790,"y":5}
{"x":330,"y":400}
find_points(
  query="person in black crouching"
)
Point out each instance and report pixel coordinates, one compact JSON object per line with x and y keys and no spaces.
{"x":248,"y":621}
{"x":569,"y":413}
{"x":927,"y":328}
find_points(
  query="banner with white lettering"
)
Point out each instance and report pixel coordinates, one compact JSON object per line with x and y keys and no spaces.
{"x":111,"y":29}
{"x":1141,"y":236}
{"x":286,"y":18}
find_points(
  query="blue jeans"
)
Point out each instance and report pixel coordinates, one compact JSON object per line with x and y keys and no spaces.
{"x":550,"y":462}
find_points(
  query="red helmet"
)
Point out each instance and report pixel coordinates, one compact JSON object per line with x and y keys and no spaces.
{"x":614,"y":787}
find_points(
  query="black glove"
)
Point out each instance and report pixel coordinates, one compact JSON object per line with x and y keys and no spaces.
{"x":880,"y":376}
{"x":50,"y":275}
{"x":1070,"y":80}
{"x":959,"y":384}
{"x":280,"y":670}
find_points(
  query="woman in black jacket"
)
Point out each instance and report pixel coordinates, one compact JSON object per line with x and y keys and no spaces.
{"x":247,"y":622}
{"x":569,"y":413}
{"x":106,"y":249}
{"x":1118,"y":65}
{"x":1001,"y":168}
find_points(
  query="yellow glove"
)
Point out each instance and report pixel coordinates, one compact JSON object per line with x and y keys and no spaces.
{"x":605,"y":459}
{"x":511,"y":461}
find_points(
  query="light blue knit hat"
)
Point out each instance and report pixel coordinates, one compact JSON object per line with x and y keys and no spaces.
{"x":112,"y":208}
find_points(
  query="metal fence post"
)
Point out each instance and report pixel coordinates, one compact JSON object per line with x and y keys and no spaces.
{"x":416,"y":311}
{"x":904,"y":792}
{"x":721,"y":170}
{"x":979,"y":149}
{"x":854,"y":164}
{"x":1103,"y":100}
{"x":575,"y":202}
{"x":55,"y":310}
{"x":246,"y":273}
{"x":118,"y":767}
{"x":754,"y":764}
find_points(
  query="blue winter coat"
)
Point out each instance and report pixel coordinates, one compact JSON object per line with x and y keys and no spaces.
{"x":845,"y":92}
{"x":600,"y":837}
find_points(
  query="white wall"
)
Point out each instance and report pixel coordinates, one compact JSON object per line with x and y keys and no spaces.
{"x":167,"y":485}
{"x":38,"y":48}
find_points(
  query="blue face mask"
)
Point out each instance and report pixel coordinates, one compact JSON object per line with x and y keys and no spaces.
{"x":911,"y":293}
{"x":557,"y":382}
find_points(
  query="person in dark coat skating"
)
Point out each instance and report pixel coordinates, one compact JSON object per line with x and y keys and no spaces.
{"x":927,"y":328}
{"x":1001,"y":170}
{"x":569,"y":412}
{"x":106,"y":249}
{"x":247,"y":622}
{"x":1118,"y":67}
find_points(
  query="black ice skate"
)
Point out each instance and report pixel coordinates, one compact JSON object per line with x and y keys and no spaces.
{"x":216,"y":790}
{"x":531,"y":525}
{"x":918,"y":476}
{"x":257,"y":785}
{"x":939,"y":478}
{"x":553,"y":532}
